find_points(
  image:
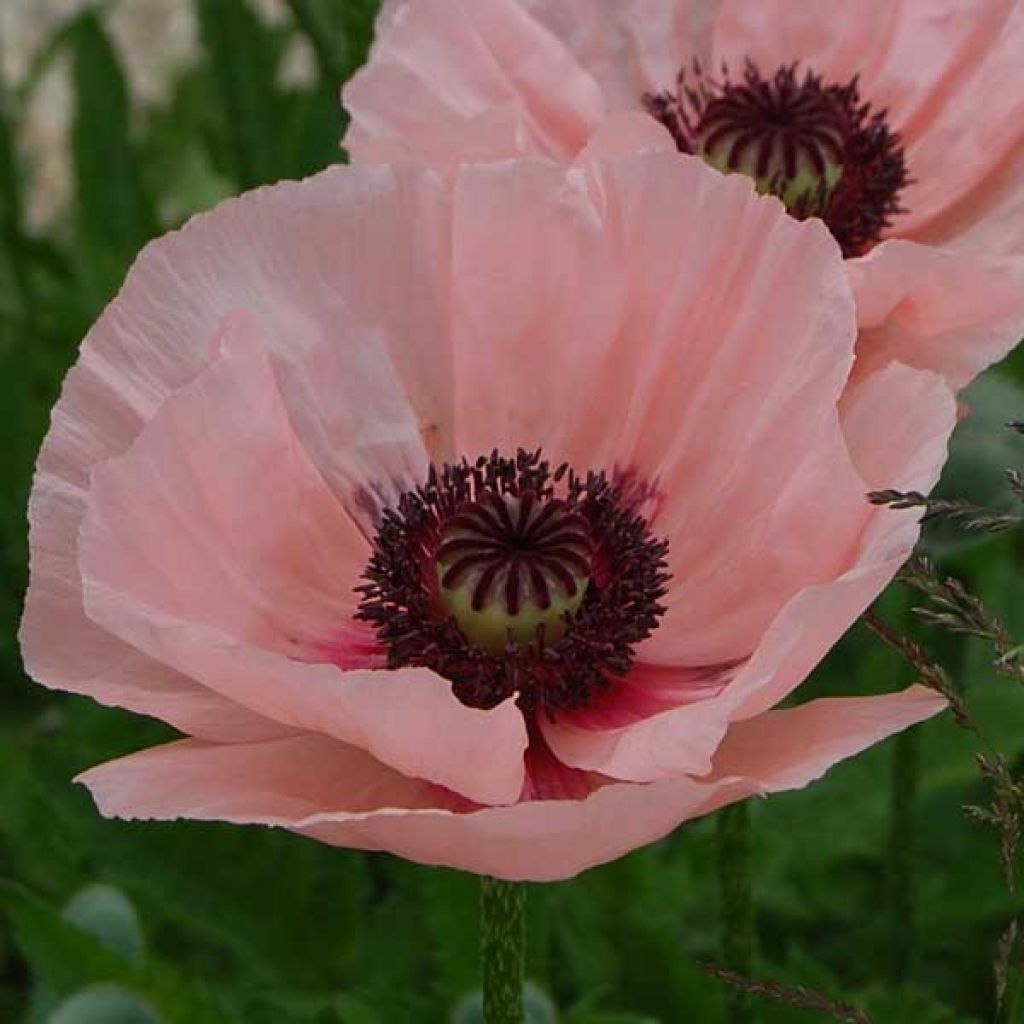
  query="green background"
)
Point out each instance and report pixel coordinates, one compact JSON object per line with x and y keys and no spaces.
{"x":110,"y":923}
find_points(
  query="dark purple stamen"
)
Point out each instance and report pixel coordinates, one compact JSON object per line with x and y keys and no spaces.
{"x":497,"y":531}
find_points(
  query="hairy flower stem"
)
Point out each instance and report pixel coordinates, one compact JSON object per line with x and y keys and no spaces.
{"x":503,"y":949}
{"x":737,"y":939}
{"x":902,"y":809}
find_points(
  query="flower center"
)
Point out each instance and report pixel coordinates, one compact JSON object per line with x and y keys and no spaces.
{"x":508,"y":577}
{"x":513,"y":567}
{"x":815,"y":146}
{"x":787,"y":138}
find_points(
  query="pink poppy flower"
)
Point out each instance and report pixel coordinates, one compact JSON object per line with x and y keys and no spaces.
{"x":899,"y":122}
{"x":291,"y":502}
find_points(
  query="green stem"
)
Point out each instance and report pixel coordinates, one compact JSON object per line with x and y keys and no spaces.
{"x":737,"y":941}
{"x":503,"y":949}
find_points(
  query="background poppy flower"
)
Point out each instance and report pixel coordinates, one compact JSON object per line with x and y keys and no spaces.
{"x":901,"y":124}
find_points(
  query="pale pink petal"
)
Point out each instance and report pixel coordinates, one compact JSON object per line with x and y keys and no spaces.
{"x":954,"y":312}
{"x":626,"y":134}
{"x":656,"y":295}
{"x":590,"y":305}
{"x":114,"y":673}
{"x":631,"y":47}
{"x":826,"y":731}
{"x":672,"y":302}
{"x":339,"y":796}
{"x":217,"y":515}
{"x":214,"y":546}
{"x":897,"y":423}
{"x":345,"y":276}
{"x":395,"y":715}
{"x":65,"y":650}
{"x":277,"y":782}
{"x":854,"y":38}
{"x":808,"y":627}
{"x":910,"y":56}
{"x":342,"y":257}
{"x":664,"y":745}
{"x":542,"y":841}
{"x":988,"y":220}
{"x":646,"y":691}
{"x":534,"y":315}
{"x":547,"y":778}
{"x":910,"y":415}
{"x":453,"y":80}
{"x":683,"y":740}
{"x":978,"y":125}
{"x":302,"y":785}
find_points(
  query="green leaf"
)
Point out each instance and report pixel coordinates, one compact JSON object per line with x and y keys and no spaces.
{"x":452,"y":913}
{"x":315,"y":127}
{"x":911,"y":1007}
{"x":980,"y":452}
{"x":187,"y":149}
{"x":603,"y":1017}
{"x":103,"y":1004}
{"x":11,"y":201}
{"x":107,"y":913}
{"x":113,"y":217}
{"x":242,"y":55}
{"x":66,"y":959}
{"x":62,"y":954}
{"x":352,"y":21}
{"x":312,"y":20}
{"x":351,"y":1011}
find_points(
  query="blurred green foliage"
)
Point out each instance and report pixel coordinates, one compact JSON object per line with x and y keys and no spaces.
{"x":111,"y":923}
